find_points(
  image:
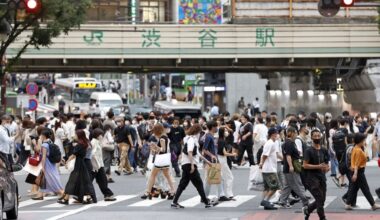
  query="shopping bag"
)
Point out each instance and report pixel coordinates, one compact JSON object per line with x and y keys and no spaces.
{"x":162,"y":160}
{"x":255,"y":181}
{"x":71,"y":165}
{"x":214,"y":174}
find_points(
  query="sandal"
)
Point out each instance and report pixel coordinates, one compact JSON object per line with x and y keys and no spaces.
{"x":146,"y":196}
{"x":38,"y":198}
{"x":171,"y":196}
{"x":63,"y":201}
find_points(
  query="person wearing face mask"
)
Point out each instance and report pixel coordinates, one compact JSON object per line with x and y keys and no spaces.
{"x":316,"y":165}
{"x":98,"y":171}
{"x":6,"y":140}
{"x":377,"y":135}
{"x":245,"y":140}
{"x":223,"y":153}
{"x":190,"y":160}
{"x":302,"y":144}
{"x":123,"y":138}
{"x":176,"y":136}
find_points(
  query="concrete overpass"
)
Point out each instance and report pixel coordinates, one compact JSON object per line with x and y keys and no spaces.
{"x":201,"y":48}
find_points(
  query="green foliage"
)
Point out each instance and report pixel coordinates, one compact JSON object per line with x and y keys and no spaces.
{"x":56,"y":17}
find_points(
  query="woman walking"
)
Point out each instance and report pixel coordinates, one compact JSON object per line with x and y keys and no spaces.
{"x":359,"y":180}
{"x":49,"y":169}
{"x":98,"y":172}
{"x":223,"y":153}
{"x":79,"y":183}
{"x":159,"y":148}
{"x":190,"y":161}
{"x":108,"y":148}
{"x":59,"y":136}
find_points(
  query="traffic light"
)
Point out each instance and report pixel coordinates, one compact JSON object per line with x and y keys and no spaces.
{"x":329,"y":8}
{"x":32,"y":6}
{"x":347,"y":3}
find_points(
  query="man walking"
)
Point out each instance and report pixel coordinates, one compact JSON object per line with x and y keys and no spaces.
{"x":268,"y":164}
{"x":292,"y":170}
{"x":316,"y":165}
{"x":124,"y":141}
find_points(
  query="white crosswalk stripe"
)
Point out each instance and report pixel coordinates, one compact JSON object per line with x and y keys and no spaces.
{"x":362,"y":203}
{"x":32,"y":202}
{"x":147,"y":203}
{"x":192,"y":202}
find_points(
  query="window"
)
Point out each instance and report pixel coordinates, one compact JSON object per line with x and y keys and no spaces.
{"x":152,"y":11}
{"x":109,"y":10}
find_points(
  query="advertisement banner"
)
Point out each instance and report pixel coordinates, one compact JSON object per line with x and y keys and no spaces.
{"x":200,"y":12}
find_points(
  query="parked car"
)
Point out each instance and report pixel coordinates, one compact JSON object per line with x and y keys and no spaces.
{"x":8,"y":189}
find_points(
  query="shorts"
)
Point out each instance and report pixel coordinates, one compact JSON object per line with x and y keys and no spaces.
{"x":270,"y":181}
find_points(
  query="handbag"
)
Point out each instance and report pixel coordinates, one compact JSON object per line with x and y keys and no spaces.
{"x":214,"y":174}
{"x":255,"y":181}
{"x":107,"y":146}
{"x":34,"y":160}
{"x":297,"y":165}
{"x":162,"y":160}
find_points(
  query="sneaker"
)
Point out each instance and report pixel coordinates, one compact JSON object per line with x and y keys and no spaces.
{"x":305,"y":211}
{"x":232,"y":198}
{"x":270,"y":207}
{"x":375,"y":207}
{"x":344,"y":185}
{"x":176,"y":206}
{"x":223,"y":199}
{"x":178,"y":175}
{"x":109,"y":199}
{"x":293,"y":201}
{"x":284,"y":206}
{"x":348,"y":207}
{"x":117,"y":172}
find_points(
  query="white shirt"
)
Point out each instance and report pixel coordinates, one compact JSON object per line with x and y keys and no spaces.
{"x":97,"y":155}
{"x":70,"y":126}
{"x":5,"y":141}
{"x":214,"y":110}
{"x":168,"y":91}
{"x":236,"y":132}
{"x":256,"y":104}
{"x":262,"y":131}
{"x":299,"y":146}
{"x":270,"y":164}
{"x":59,"y":137}
{"x":279,"y":150}
{"x":191,"y":142}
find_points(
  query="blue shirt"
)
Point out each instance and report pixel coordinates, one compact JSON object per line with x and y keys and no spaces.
{"x":210,"y":146}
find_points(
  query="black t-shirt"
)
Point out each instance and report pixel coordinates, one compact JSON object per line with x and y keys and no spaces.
{"x":289,"y":148}
{"x":244,"y":129}
{"x":121,"y":134}
{"x":176,"y":135}
{"x":316,"y":157}
{"x":222,"y":144}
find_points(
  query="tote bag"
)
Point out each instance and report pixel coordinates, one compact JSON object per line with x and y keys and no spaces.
{"x":214,"y":174}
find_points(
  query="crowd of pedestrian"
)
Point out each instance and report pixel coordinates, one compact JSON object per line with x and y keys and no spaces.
{"x":293,"y":155}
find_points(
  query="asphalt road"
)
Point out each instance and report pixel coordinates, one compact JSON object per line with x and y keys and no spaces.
{"x":128,"y":190}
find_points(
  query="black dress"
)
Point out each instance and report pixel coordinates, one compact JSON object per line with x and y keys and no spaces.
{"x":79,"y":183}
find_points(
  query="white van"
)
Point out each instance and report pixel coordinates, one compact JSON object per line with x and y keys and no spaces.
{"x":102,"y":102}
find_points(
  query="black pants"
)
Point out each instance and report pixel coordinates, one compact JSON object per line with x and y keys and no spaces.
{"x":246,"y":147}
{"x":345,"y":196}
{"x":360,"y":183}
{"x":195,"y":179}
{"x":101,"y":179}
{"x":176,"y":148}
{"x":317,"y":187}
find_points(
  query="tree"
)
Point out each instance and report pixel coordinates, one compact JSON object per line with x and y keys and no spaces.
{"x":54,"y":17}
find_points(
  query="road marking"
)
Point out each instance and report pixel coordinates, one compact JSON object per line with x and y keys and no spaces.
{"x":32,"y":202}
{"x":85,"y":207}
{"x":362,"y":203}
{"x":147,"y":203}
{"x":118,"y":199}
{"x":43,"y":211}
{"x":58,"y":205}
{"x":329,"y":200}
{"x":192,"y":202}
{"x":239,"y":200}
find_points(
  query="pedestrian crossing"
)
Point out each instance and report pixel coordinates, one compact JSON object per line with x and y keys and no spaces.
{"x":134,"y":201}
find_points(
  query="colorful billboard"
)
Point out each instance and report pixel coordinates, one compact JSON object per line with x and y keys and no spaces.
{"x":200,"y":12}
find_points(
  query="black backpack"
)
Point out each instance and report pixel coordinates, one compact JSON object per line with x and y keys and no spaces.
{"x":55,"y":155}
{"x":339,"y":141}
